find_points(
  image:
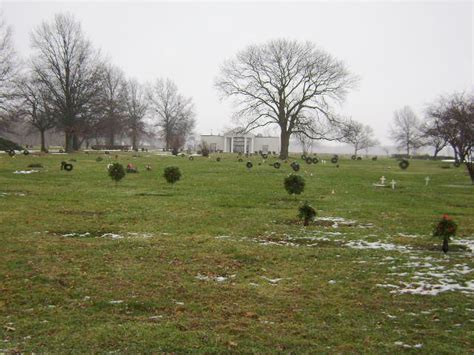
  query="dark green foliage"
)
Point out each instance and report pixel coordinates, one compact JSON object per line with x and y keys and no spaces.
{"x":172,"y":174}
{"x":404,"y":164}
{"x":116,"y":172}
{"x":445,"y":229}
{"x":295,"y":166}
{"x":276,"y":165}
{"x":5,"y":144}
{"x":306,"y":212}
{"x":249,"y":165}
{"x":99,"y":159}
{"x":309,"y":160}
{"x":294,"y":184}
{"x":68,"y":167}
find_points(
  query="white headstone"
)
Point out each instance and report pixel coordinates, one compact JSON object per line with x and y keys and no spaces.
{"x":427,"y":180}
{"x":382,"y":180}
{"x":393,"y":183}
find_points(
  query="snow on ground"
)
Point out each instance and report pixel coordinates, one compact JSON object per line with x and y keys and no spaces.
{"x":25,"y":171}
{"x":409,"y":270}
{"x":108,"y":235}
{"x":362,"y":244}
{"x":3,"y":194}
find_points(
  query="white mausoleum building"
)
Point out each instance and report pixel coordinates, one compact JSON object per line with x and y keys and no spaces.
{"x":235,"y":142}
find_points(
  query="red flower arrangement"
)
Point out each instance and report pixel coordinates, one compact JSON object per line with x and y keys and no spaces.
{"x":445,"y":229}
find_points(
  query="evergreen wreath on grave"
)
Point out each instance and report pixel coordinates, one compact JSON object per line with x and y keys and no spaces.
{"x":403,"y":164}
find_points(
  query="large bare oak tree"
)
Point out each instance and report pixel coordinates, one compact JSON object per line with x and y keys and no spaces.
{"x":286,"y":83}
{"x":454,"y":119}
{"x":33,"y":106}
{"x":69,"y":67}
{"x":405,"y":130}
{"x":173,"y":113}
{"x":136,"y":108}
{"x":8,"y":73}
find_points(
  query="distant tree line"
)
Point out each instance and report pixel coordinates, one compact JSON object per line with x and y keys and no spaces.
{"x":68,"y":86}
{"x":449,"y":121}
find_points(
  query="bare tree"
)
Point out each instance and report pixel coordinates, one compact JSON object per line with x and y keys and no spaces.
{"x":136,"y":109}
{"x":174,"y":113}
{"x":112,"y":103}
{"x":34,"y":106}
{"x":70,"y":68}
{"x":8,"y":73}
{"x":432,"y":136}
{"x":286,"y":83}
{"x":306,"y":142}
{"x":454,"y":119}
{"x":358,"y":135}
{"x":406,"y":130}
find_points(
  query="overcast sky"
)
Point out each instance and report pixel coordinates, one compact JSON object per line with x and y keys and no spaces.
{"x":404,"y":53}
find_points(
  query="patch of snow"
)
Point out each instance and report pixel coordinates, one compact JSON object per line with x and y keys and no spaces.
{"x":468,"y":243}
{"x":25,"y":171}
{"x":361,"y":244}
{"x":272,"y":281}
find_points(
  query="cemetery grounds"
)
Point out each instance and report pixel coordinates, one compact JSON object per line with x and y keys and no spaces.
{"x":220,"y":262}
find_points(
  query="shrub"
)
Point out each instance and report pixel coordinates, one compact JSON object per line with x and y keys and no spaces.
{"x":445,"y":229}
{"x":99,"y":159}
{"x":172,"y":174}
{"x":294,"y":184}
{"x":204,"y":149}
{"x":306,"y":213}
{"x":116,"y":172}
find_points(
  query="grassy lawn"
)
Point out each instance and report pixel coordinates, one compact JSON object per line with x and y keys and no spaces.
{"x":219,"y":262}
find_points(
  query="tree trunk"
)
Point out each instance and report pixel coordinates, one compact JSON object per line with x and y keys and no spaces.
{"x":68,"y":142}
{"x":76,"y":143}
{"x":470,"y":169}
{"x":43,"y":146}
{"x":111,"y":140}
{"x":408,"y":150}
{"x":134,"y":141}
{"x":284,"y":144}
{"x":445,"y":244}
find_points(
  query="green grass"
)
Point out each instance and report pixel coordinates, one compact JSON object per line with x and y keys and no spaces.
{"x":56,"y":291}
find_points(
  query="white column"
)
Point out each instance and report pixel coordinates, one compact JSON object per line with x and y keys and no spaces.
{"x":225,"y":143}
{"x":253,"y":145}
{"x":231,"y":144}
